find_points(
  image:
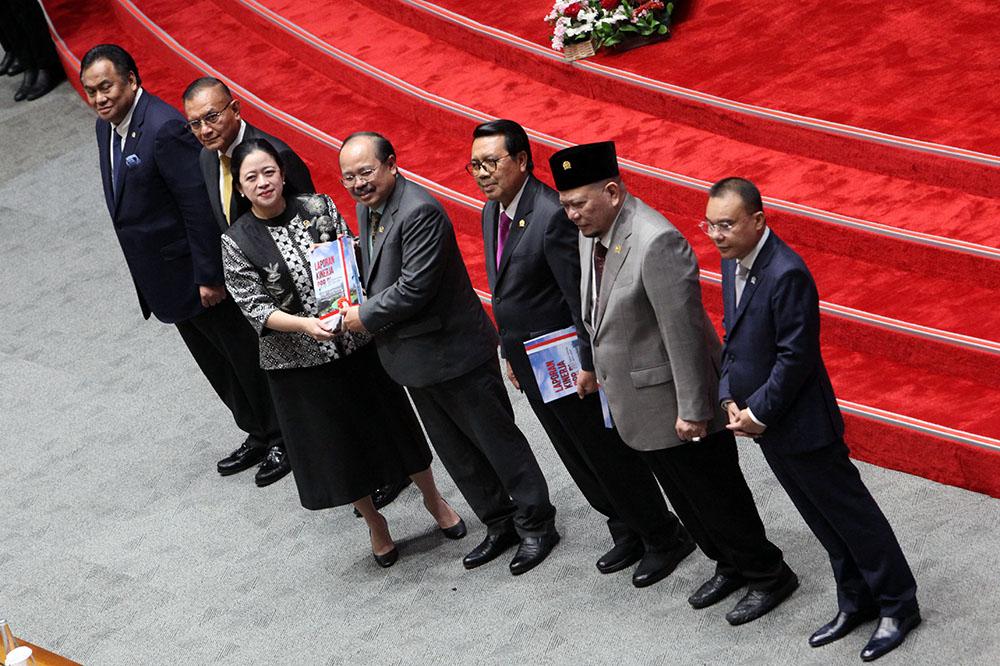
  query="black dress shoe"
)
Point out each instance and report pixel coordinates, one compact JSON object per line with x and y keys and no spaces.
{"x":15,"y":67}
{"x":274,"y":467}
{"x":532,"y":552}
{"x":8,"y":59}
{"x":30,"y":76}
{"x":760,"y":602}
{"x":386,"y":494}
{"x":47,"y":80}
{"x":621,"y":556}
{"x":491,"y":548}
{"x":456,"y":531}
{"x":714,"y":590}
{"x":657,"y":565}
{"x":840,"y":626}
{"x":386,"y":560}
{"x":888,"y":635}
{"x":242,"y":458}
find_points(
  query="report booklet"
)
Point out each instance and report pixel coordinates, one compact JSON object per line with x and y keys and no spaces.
{"x":555,"y":361}
{"x":336,"y":279}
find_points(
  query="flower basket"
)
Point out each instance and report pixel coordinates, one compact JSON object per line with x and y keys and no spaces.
{"x":580,"y":50}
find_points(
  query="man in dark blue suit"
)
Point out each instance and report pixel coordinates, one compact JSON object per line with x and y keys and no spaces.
{"x":163,"y":218}
{"x":776,"y":390}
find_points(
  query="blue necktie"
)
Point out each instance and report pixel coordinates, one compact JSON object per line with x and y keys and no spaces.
{"x":116,"y":160}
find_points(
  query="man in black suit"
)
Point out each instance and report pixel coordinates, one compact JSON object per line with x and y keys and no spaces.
{"x":533,"y":268}
{"x":775,"y":389}
{"x":161,"y":214}
{"x":434,"y":337}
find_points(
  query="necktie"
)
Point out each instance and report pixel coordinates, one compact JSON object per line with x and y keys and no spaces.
{"x":741,"y":280}
{"x":116,"y":160}
{"x":374,"y":219}
{"x":600,"y":254}
{"x":502,"y":235}
{"x":227,"y":186}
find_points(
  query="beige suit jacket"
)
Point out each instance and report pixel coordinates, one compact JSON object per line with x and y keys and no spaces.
{"x":656,"y":352}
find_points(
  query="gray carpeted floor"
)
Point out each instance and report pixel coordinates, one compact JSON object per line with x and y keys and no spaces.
{"x":120,"y":545}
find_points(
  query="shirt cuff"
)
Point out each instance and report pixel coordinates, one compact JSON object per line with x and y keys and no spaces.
{"x":754,"y":418}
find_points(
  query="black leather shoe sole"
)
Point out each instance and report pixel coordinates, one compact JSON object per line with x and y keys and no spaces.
{"x":620,"y":557}
{"x":670,"y":562}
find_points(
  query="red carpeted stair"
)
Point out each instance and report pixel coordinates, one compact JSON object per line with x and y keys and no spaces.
{"x":897,"y":236}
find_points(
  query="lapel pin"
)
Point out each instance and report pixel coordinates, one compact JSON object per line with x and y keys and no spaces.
{"x":753,"y":280}
{"x":521,"y":224}
{"x":618,"y":249}
{"x":133,"y":135}
{"x":381,"y":229}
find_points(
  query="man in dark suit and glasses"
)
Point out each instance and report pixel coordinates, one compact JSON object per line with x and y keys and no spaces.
{"x":533,"y":268}
{"x":775,"y":389}
{"x":434,"y":337}
{"x":162,"y":217}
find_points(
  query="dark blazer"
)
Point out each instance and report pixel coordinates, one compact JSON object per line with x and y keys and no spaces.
{"x":536,"y":288}
{"x":297,"y":176}
{"x":427,"y":320}
{"x":771,"y":353}
{"x":161,"y":214}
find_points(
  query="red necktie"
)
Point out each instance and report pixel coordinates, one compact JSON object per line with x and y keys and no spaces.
{"x":502,"y":238}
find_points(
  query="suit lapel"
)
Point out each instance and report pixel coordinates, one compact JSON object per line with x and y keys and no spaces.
{"x":617,"y":252}
{"x":759,"y":267}
{"x":105,"y":159}
{"x":131,"y":141}
{"x":519,"y":226}
{"x":388,"y":221}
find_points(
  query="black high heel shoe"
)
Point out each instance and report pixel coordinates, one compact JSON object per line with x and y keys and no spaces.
{"x":386,"y":560}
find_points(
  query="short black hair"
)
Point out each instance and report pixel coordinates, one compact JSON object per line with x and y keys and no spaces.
{"x":201,"y":84}
{"x":741,"y":187}
{"x":383,"y":149}
{"x":248,"y":146}
{"x":515,"y":139}
{"x":116,"y":55}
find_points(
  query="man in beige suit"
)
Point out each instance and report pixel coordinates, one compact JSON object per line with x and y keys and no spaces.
{"x":656,"y":354}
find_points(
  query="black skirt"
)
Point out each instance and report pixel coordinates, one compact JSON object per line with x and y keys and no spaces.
{"x":348,"y":428}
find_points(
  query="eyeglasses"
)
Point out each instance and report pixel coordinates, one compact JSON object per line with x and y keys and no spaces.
{"x":487,"y":165}
{"x":723,"y":228}
{"x":363,"y":176}
{"x":210,"y":118}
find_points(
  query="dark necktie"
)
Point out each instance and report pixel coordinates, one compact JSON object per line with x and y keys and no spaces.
{"x":116,"y":160}
{"x":373,"y":221}
{"x":502,"y":237}
{"x":600,"y":254}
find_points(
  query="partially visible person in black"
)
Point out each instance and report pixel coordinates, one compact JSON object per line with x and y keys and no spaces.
{"x":348,"y":427}
{"x":214,"y":118}
{"x":28,"y":49}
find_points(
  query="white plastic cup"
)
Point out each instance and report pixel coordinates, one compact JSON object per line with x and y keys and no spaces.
{"x":20,"y":657}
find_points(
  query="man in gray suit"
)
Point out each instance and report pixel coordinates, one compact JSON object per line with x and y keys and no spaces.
{"x":657,"y":359}
{"x":434,"y":337}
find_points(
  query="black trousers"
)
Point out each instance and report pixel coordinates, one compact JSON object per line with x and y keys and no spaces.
{"x":470,"y":423}
{"x":705,"y":486}
{"x":26,"y":34}
{"x":868,"y":564}
{"x":225,"y":347}
{"x":612,"y":477}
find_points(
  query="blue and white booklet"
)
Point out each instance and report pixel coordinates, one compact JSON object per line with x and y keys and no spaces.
{"x":336,"y":279}
{"x":555,"y":362}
